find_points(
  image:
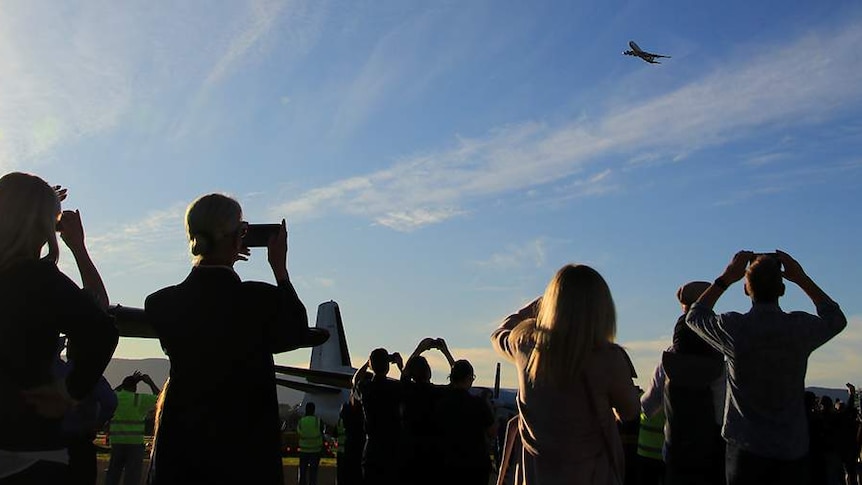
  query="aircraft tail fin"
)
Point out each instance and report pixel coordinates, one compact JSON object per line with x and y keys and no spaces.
{"x":333,"y":354}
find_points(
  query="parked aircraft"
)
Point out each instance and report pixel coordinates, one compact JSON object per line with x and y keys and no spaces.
{"x":327,"y":380}
{"x":646,"y":56}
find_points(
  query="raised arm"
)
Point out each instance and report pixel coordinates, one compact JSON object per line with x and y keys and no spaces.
{"x":146,"y":379}
{"x":444,"y":349}
{"x":700,"y":318}
{"x":292,"y":320}
{"x":500,"y":337}
{"x":359,"y":376}
{"x":72,"y":233}
{"x":831,"y":319}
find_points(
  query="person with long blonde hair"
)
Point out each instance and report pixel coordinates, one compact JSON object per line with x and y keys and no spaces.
{"x":39,"y":303}
{"x":574,"y":383}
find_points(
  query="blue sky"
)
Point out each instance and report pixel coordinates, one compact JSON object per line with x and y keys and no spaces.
{"x":438,"y":161}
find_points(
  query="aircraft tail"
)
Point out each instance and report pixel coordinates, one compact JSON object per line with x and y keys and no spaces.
{"x":332,"y":355}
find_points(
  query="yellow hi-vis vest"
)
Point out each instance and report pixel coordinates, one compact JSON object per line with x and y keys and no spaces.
{"x":342,"y":436}
{"x":310,"y":437}
{"x":127,"y":425}
{"x":651,"y":436}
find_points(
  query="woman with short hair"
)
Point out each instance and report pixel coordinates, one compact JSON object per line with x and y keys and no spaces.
{"x":572,"y":382}
{"x":38,"y":303}
{"x":219,"y":420}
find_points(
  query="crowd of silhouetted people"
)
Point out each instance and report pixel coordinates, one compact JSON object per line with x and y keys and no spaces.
{"x":726,"y":402}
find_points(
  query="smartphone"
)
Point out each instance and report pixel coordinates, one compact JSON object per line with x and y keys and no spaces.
{"x":258,"y":235}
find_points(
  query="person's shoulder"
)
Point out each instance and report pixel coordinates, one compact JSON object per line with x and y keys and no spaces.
{"x":163,"y":296}
{"x":616,"y":355}
{"x":258,"y":286}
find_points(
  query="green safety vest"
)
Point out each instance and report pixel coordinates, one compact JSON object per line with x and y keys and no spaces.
{"x":651,"y":436}
{"x":342,"y":436}
{"x":310,"y":437}
{"x":127,"y":425}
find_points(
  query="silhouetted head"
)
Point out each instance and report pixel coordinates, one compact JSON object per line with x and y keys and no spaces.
{"x":309,"y":409}
{"x":29,"y":210}
{"x":690,"y":292}
{"x":215,"y":228}
{"x":461,"y":375}
{"x":826,"y":404}
{"x":576,"y":315}
{"x":379,"y":360}
{"x":130,"y":383}
{"x":810,"y":400}
{"x":763,"y":280}
{"x":418,"y":369}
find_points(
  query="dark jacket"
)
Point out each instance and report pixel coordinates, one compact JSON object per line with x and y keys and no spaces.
{"x":38,"y":303}
{"x":220,"y":417}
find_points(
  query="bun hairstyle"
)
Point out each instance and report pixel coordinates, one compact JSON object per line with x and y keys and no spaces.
{"x":28,"y":218}
{"x":210,"y":219}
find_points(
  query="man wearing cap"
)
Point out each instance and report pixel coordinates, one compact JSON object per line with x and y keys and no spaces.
{"x":127,"y":430}
{"x":692,"y":399}
{"x":465,"y":422}
{"x":767,"y":351}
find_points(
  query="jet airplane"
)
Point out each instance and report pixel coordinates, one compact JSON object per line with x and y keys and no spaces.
{"x":646,"y":56}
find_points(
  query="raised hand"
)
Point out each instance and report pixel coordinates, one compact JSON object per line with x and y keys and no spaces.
{"x":735,"y":271}
{"x":277,"y":252}
{"x":71,"y":230}
{"x":243,"y":254}
{"x":793,"y":271}
{"x":62,"y":192}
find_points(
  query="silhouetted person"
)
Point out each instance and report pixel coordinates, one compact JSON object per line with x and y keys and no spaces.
{"x":767,"y":353}
{"x":127,"y":430}
{"x":310,"y":431}
{"x":465,"y":422}
{"x":420,"y":432}
{"x":847,"y":426}
{"x":381,"y":400}
{"x":83,"y":421}
{"x":694,"y":396}
{"x":350,"y":461}
{"x":38,"y":303}
{"x":650,"y":458}
{"x":220,"y":333}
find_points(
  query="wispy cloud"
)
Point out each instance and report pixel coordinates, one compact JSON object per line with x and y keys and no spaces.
{"x":263,"y":15}
{"x":531,"y":253}
{"x":155,"y":242}
{"x":82,"y":70}
{"x":766,"y":89}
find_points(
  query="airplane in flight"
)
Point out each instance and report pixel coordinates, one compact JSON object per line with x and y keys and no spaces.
{"x":646,"y":56}
{"x":328,"y":379}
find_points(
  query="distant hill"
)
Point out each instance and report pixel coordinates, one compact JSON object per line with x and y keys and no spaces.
{"x":158,"y":369}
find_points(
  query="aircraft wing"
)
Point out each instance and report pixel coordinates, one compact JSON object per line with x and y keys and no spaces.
{"x":327,"y":378}
{"x":132,"y":322}
{"x":307,"y":387}
{"x":634,"y":46}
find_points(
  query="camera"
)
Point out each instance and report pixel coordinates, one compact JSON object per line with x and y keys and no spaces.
{"x":258,"y":235}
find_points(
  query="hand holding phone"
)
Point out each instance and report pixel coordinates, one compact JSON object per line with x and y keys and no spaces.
{"x":258,"y":235}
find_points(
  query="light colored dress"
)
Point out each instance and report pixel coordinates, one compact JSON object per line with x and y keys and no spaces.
{"x":562,"y":434}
